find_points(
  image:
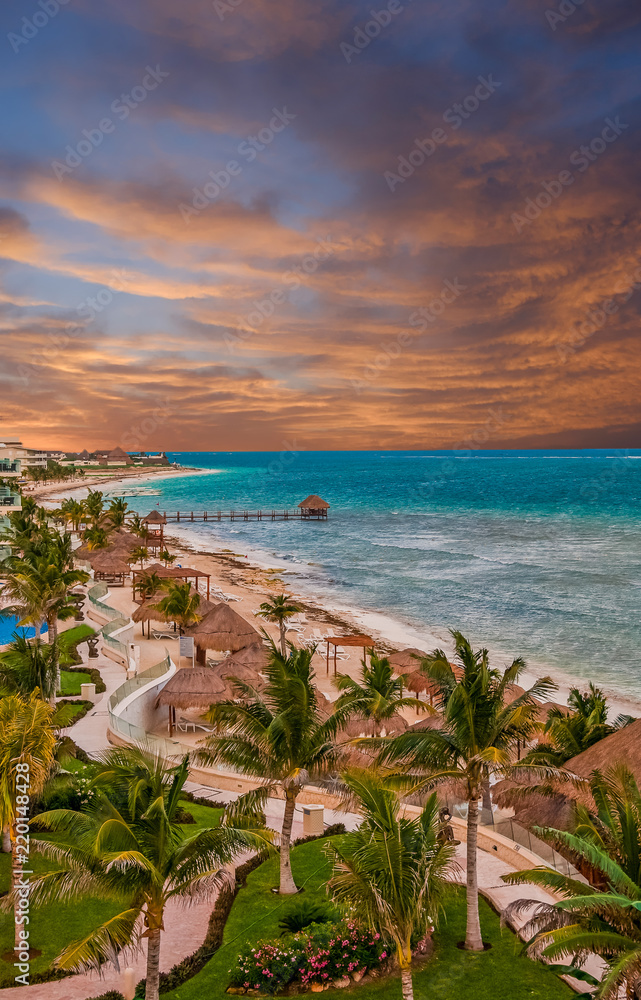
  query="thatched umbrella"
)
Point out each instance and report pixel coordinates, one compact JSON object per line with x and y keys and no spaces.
{"x":109,"y":564}
{"x":149,"y":610}
{"x":246,"y":664}
{"x":406,"y":659}
{"x":223,"y":628}
{"x":193,"y":687}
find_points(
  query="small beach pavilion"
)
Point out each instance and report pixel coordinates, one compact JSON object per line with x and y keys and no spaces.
{"x":365,"y":641}
{"x":197,"y":687}
{"x":222,"y":629}
{"x":169,"y":573}
{"x":313,"y":506}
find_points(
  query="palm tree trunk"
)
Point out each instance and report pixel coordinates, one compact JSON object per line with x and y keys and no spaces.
{"x":406,"y":983}
{"x":473,"y":939}
{"x":52,"y":625}
{"x":152,"y":989}
{"x":283,"y":647}
{"x":6,"y":840}
{"x":287,"y":884}
{"x":487,"y":799}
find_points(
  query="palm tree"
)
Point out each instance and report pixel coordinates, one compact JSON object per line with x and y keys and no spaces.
{"x":378,"y":696}
{"x":478,"y":739}
{"x":72,"y":511}
{"x":602,"y":917}
{"x":278,"y":609}
{"x":278,"y":737}
{"x":29,"y":664}
{"x":167,"y":557}
{"x":570,"y":733}
{"x":39,"y":588}
{"x":139,"y":553}
{"x":136,"y":526}
{"x":180,"y":605}
{"x":27,"y":745}
{"x":117,"y":512}
{"x":392,"y":871}
{"x":149,"y":585}
{"x":94,"y":506}
{"x":128,"y":847}
{"x":96,"y":537}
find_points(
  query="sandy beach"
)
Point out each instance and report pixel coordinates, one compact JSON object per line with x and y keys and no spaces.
{"x":249,"y":581}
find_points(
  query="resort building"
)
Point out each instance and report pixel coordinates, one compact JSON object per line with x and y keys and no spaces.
{"x":15,"y":458}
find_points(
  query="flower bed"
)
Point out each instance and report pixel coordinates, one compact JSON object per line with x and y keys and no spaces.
{"x":311,"y":959}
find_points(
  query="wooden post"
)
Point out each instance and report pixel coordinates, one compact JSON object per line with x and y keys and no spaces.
{"x":327,"y":659}
{"x":171,"y":727}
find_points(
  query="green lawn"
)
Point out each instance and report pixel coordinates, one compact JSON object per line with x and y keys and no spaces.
{"x":502,"y":973}
{"x":70,"y":682}
{"x":54,"y":926}
{"x":67,"y":642}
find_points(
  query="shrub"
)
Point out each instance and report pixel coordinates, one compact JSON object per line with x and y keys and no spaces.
{"x":305,"y":913}
{"x":95,"y":677}
{"x":324,"y":953}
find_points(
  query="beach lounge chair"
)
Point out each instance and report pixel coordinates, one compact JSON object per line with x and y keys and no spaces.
{"x":165,"y":635}
{"x":189,"y":725}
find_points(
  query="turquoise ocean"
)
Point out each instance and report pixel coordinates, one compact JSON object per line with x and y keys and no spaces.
{"x":530,"y":553}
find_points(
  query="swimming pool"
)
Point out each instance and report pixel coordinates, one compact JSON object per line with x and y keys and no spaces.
{"x":9,"y":625}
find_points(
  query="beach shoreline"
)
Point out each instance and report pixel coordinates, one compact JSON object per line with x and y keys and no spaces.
{"x":62,"y":490}
{"x":252,"y":576}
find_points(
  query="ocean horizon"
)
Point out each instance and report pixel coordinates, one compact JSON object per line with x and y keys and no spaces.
{"x":532,"y":553}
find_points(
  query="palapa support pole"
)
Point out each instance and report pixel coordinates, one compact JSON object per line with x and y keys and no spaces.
{"x":327,"y":659}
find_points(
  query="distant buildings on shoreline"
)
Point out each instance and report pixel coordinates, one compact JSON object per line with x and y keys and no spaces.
{"x":16,"y":458}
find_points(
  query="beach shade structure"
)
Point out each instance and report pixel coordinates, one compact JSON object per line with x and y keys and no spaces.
{"x":361,"y":726}
{"x":222,"y":628}
{"x":418,"y":682}
{"x":193,"y":687}
{"x":109,"y":566}
{"x":365,"y":641}
{"x":250,"y":660}
{"x":313,"y":506}
{"x":169,"y":573}
{"x":148,"y":611}
{"x":406,"y":660}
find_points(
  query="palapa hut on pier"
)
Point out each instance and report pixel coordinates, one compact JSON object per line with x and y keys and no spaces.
{"x":194,"y":687}
{"x":313,"y":506}
{"x":222,"y":629}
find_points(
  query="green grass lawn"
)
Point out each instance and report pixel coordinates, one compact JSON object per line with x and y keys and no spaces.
{"x":54,"y":926}
{"x":67,"y":641}
{"x":502,"y":973}
{"x":70,"y":682}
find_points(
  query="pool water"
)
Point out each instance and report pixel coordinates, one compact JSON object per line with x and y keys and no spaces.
{"x":9,"y":625}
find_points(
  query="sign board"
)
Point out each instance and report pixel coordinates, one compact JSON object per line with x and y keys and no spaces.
{"x":186,"y":645}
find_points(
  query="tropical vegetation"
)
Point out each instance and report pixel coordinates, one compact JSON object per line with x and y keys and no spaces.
{"x":279,"y":609}
{"x":378,"y":696}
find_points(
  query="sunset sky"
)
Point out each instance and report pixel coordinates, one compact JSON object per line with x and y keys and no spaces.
{"x":249,"y":223}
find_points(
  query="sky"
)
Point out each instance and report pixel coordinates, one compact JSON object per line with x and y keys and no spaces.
{"x":248,"y":225}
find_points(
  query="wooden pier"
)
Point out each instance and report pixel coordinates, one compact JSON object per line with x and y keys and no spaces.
{"x":180,"y":516}
{"x":311,"y":509}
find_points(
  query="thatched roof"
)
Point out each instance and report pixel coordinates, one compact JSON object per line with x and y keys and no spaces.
{"x":223,"y":628}
{"x":417,"y":681}
{"x":154,"y":517}
{"x":314,"y":502}
{"x":104,"y":561}
{"x":192,"y":687}
{"x":148,"y":610}
{"x":622,"y":747}
{"x":367,"y":727}
{"x":406,"y":659}
{"x":252,"y":658}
